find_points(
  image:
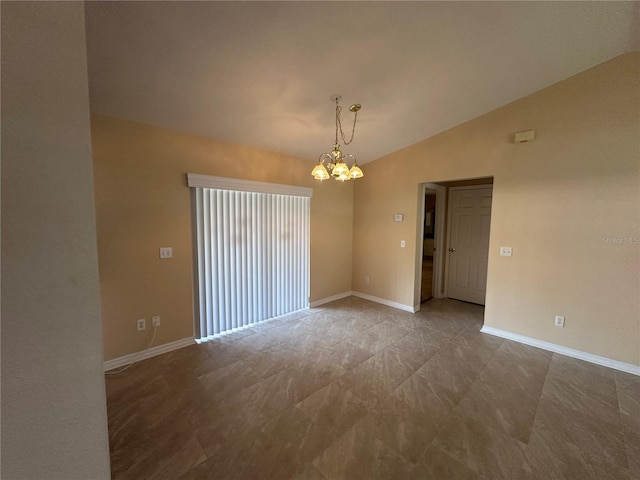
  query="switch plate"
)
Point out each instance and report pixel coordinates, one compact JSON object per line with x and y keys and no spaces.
{"x":155,"y":320}
{"x":559,"y":322}
{"x":141,"y":324}
{"x":505,"y":251}
{"x":398,"y":217}
{"x":166,"y":252}
{"x":402,"y":243}
{"x":366,"y":279}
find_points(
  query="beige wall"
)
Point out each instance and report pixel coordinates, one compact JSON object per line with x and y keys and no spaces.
{"x":54,"y":419}
{"x":142,"y":204}
{"x":554,"y":202}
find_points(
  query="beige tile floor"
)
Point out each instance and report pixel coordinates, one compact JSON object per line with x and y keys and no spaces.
{"x":356,"y":390}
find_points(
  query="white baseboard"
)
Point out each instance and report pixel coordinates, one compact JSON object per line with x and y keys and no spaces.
{"x":332,"y":298}
{"x":569,"y":352}
{"x":152,"y":352}
{"x":384,"y":301}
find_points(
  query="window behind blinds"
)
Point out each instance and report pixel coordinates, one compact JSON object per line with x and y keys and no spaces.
{"x":252,"y":252}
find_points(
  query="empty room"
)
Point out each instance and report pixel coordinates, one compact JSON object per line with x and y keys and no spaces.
{"x":320,"y":240}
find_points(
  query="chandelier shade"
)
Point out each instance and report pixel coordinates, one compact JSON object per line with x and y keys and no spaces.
{"x":320,"y":172}
{"x":333,"y":164}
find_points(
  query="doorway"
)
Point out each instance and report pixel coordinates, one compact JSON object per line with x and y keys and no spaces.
{"x":434,"y":261}
{"x":431,"y":254}
{"x":428,"y":245}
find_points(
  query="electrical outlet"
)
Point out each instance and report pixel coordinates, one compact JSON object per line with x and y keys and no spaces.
{"x":506,"y":251}
{"x":155,"y":321}
{"x":166,"y":252}
{"x":559,"y":321}
{"x":141,"y":324}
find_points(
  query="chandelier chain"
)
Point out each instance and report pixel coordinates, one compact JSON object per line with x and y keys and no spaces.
{"x":339,"y":126}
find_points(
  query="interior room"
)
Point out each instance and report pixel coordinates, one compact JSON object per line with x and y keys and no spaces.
{"x":468,"y":308}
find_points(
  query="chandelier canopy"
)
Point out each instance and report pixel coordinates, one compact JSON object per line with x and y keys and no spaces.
{"x":333,"y":164}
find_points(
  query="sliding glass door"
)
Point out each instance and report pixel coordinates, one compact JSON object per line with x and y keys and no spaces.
{"x":252,"y":243}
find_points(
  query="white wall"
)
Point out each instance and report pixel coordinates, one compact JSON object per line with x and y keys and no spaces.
{"x":137,"y":213}
{"x":53,"y":399}
{"x":568,"y":204}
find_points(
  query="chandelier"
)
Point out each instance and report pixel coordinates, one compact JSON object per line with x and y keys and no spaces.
{"x":333,"y":164}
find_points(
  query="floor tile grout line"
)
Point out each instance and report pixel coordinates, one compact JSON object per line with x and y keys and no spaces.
{"x":587,"y":456}
{"x":535,"y":415}
{"x":454,"y":410}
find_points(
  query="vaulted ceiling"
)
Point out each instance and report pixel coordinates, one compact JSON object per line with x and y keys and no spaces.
{"x":261,"y":73}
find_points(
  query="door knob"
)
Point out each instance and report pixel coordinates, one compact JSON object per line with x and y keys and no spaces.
{"x":452,"y":250}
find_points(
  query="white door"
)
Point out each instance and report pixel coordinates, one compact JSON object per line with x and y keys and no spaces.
{"x":469,"y":221}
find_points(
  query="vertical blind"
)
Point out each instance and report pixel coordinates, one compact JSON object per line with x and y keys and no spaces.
{"x":252,"y":253}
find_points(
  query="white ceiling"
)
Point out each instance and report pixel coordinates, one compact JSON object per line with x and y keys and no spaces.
{"x":261,"y":73}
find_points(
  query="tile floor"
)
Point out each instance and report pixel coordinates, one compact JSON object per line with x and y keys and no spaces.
{"x":356,"y":390}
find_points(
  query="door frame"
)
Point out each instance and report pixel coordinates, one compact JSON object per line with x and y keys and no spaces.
{"x":438,"y":256}
{"x":448,"y":246}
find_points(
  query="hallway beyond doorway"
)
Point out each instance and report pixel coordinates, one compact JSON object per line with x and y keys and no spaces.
{"x":427,"y":279}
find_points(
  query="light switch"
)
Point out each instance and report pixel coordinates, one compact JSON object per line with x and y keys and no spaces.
{"x":402,"y":244}
{"x":166,"y":252}
{"x":505,"y":251}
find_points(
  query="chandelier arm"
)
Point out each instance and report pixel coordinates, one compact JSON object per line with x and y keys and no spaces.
{"x":327,"y":160}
